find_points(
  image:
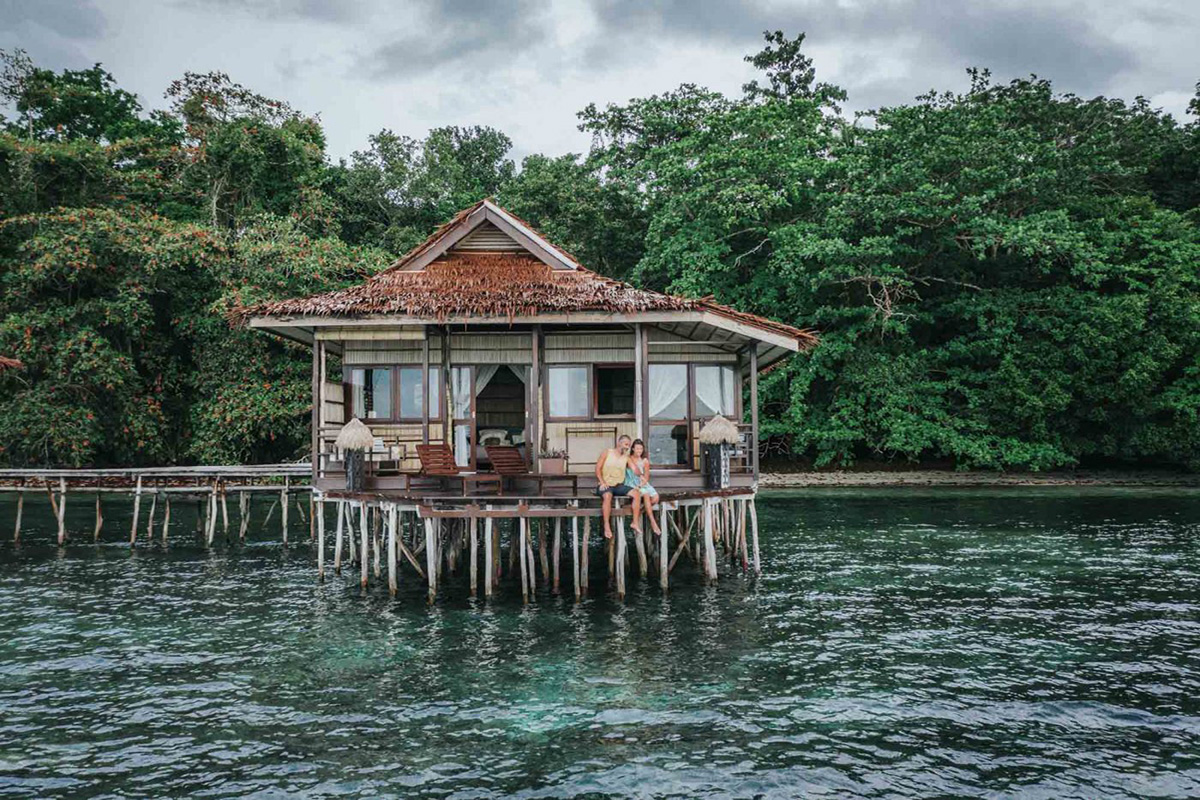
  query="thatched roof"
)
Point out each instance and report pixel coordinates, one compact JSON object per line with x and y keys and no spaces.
{"x":507,"y":270}
{"x":9,"y":363}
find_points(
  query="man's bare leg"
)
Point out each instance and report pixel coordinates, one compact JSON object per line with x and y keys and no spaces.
{"x":607,"y":511}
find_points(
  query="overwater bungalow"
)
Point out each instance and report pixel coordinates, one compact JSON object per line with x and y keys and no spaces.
{"x":492,"y":346}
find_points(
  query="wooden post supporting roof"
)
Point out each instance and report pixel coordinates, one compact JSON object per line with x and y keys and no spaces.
{"x":754,"y":410}
{"x":318,"y":358}
{"x":425,"y":385}
{"x":534,"y":391}
{"x":641,"y":383}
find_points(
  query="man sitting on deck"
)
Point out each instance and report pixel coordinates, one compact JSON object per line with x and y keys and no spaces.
{"x":610,"y":472}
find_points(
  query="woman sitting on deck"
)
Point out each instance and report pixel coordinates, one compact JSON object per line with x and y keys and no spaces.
{"x":637,"y":476}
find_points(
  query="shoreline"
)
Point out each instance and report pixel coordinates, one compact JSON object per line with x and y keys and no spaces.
{"x":926,"y":478}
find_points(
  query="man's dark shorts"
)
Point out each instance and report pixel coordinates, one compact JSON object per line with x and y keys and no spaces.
{"x":620,"y":490}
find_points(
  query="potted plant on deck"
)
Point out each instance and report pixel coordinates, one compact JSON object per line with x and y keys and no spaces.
{"x":553,"y":462}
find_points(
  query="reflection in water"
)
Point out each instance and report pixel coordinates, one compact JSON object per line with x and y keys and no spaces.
{"x":899,"y":643}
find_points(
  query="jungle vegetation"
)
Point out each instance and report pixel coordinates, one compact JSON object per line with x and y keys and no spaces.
{"x":1006,"y":277}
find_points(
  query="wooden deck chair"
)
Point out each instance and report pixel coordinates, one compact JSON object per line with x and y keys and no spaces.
{"x":437,"y":461}
{"x":509,"y":462}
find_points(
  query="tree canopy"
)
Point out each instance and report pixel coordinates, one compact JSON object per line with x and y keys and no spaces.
{"x":1002,"y":277}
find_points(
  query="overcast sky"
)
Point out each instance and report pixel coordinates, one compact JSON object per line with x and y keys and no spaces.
{"x":527,"y":66}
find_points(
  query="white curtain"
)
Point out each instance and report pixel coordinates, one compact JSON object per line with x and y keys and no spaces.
{"x":521,"y":372}
{"x":667,"y":384}
{"x":483,"y":376}
{"x":714,"y":390}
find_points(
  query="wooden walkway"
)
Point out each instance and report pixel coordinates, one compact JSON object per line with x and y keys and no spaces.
{"x":209,"y":484}
{"x":433,"y":531}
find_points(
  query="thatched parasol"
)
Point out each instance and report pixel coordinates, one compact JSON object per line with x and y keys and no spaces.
{"x":9,"y":363}
{"x":355,"y":436}
{"x":719,"y":430}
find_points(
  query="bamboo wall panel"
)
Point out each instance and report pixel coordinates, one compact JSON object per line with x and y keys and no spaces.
{"x":333,"y":407}
{"x":589,"y":348}
{"x":491,"y":348}
{"x":393,"y":351}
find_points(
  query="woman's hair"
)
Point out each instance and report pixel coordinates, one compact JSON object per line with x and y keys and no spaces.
{"x":633,"y":447}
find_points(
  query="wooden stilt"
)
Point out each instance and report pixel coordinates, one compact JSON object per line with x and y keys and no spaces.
{"x":166,"y":523}
{"x":754,"y":537}
{"x":639,"y":544}
{"x":340,"y":513}
{"x":583,"y":554}
{"x":312,"y":531}
{"x":62,"y":511}
{"x":270,"y":513}
{"x":199,"y":518}
{"x":210,"y":531}
{"x":497,"y":560}
{"x":412,"y":559}
{"x":224,"y":514}
{"x":542,"y":556}
{"x":620,"y":558}
{"x":474,"y":533}
{"x":663,"y":533}
{"x":283,"y":509}
{"x":99,"y":518}
{"x":575,"y":557}
{"x":556,"y":552}
{"x":362,"y":524}
{"x":20,"y":511}
{"x":375,"y":525}
{"x":488,"y":555}
{"x":243,"y":515}
{"x":150,"y":518}
{"x":392,"y":535}
{"x":137,"y":504}
{"x":742,"y":534}
{"x":530,"y":563}
{"x":524,"y":572}
{"x":320,"y":515}
{"x":430,"y":560}
{"x":710,"y":552}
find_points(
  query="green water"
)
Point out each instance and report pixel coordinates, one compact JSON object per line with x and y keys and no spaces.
{"x":900,"y":643}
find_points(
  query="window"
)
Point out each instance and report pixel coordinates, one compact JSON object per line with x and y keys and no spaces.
{"x":567,"y":388}
{"x":615,"y":387}
{"x":668,"y":445}
{"x":668,"y":391}
{"x":716,"y":389}
{"x":411,"y":405}
{"x":371,"y":392}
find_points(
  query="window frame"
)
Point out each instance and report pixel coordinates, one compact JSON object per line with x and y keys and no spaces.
{"x":595,"y":390}
{"x":737,"y":389}
{"x":440,"y":394}
{"x":687,"y":422}
{"x":587,"y":371}
{"x":393,"y":416}
{"x":348,"y":393}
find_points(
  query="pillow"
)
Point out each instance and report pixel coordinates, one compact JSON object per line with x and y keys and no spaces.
{"x":493,"y":436}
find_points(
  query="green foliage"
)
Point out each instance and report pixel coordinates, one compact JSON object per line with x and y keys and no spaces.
{"x":1003,"y":278}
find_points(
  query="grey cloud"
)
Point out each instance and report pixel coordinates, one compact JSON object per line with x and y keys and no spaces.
{"x":459,"y":32}
{"x":333,"y":11}
{"x":68,"y":18}
{"x":1011,"y":38}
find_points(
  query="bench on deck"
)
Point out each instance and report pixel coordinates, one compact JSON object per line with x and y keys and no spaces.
{"x":509,"y":463}
{"x":437,"y":461}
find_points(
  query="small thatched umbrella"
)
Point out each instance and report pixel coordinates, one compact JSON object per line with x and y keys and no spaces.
{"x":717,"y":438}
{"x":355,"y":439}
{"x":9,"y":363}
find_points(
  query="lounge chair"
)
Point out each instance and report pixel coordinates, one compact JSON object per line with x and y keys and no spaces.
{"x":509,"y":463}
{"x":437,"y":461}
